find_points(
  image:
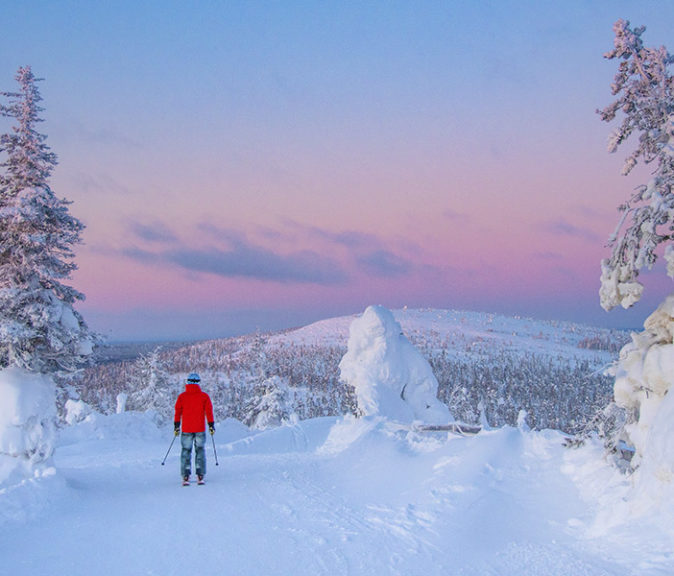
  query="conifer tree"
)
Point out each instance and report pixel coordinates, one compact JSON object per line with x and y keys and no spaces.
{"x":39,"y":329}
{"x":644,"y":88}
{"x":151,"y":387}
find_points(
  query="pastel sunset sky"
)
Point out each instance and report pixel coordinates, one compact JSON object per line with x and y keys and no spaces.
{"x":260,"y":165}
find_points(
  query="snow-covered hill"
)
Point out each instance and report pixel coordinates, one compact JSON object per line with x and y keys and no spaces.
{"x":328,"y":496}
{"x":465,"y":333}
{"x":488,"y":367}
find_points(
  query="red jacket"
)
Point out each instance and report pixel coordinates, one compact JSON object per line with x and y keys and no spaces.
{"x":194,"y":407}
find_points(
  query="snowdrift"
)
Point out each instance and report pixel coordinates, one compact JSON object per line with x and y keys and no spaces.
{"x":644,"y":378}
{"x":27,"y":416}
{"x":324,"y":497}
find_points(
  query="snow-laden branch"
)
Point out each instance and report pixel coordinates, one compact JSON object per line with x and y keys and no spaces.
{"x":645,"y":91}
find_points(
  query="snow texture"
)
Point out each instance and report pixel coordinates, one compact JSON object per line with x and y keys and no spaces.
{"x":352,"y":496}
{"x":390,"y":376}
{"x":644,"y":378}
{"x":27,"y":416}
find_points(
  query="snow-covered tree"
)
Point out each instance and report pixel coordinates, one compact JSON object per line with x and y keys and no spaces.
{"x":644,"y":88}
{"x":150,"y":387}
{"x":389,"y":375}
{"x":271,"y":407}
{"x":40,"y":330}
{"x":644,"y":373}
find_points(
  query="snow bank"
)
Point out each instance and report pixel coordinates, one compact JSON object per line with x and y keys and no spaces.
{"x":644,"y":378}
{"x":390,"y":376}
{"x":93,"y":426}
{"x":654,"y":479}
{"x":27,"y":415}
{"x":644,"y":375}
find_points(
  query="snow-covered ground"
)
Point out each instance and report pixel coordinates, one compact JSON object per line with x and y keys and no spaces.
{"x":328,"y":496}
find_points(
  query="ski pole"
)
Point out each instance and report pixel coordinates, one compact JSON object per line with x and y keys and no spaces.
{"x":214,"y":452}
{"x":167,"y":452}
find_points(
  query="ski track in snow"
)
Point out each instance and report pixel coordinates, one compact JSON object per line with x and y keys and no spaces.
{"x":328,"y":496}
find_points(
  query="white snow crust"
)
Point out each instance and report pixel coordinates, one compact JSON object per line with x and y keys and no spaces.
{"x":329,"y":496}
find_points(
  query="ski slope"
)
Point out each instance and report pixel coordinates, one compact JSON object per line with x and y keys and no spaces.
{"x":326,"y":496}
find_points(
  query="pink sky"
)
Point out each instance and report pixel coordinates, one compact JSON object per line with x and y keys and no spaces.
{"x":249,"y":166}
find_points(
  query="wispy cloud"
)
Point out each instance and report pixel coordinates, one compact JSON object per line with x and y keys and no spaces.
{"x":383,"y":263}
{"x":368,"y":252}
{"x":255,"y":262}
{"x":242,"y":259}
{"x":233,"y":254}
{"x":563,"y":228}
{"x":352,"y":239}
{"x":153,"y":232}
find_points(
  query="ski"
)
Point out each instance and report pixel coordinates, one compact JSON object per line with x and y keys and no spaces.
{"x":201,"y":481}
{"x":186,"y":481}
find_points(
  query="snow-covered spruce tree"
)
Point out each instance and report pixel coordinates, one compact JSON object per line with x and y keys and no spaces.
{"x":390,"y":377}
{"x":644,"y":374}
{"x":645,"y":95}
{"x":150,"y":387}
{"x":40,"y":331}
{"x":271,"y":406}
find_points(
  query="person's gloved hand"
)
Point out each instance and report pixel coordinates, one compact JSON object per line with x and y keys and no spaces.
{"x":211,"y":428}
{"x":176,"y":428}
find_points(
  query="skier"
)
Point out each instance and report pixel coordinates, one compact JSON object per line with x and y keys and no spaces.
{"x":193,"y":408}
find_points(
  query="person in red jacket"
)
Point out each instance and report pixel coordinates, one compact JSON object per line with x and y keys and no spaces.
{"x":193,"y":409}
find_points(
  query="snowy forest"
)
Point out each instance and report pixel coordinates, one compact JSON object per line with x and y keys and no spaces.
{"x":480,"y":378}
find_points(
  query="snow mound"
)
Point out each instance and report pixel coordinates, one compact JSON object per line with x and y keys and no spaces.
{"x":390,"y":376}
{"x":139,"y":426}
{"x":27,"y":417}
{"x":644,"y":374}
{"x":644,"y":378}
{"x":654,"y":479}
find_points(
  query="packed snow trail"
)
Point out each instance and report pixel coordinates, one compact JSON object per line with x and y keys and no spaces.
{"x":327,"y":496}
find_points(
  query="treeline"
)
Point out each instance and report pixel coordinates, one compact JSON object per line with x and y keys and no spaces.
{"x":249,"y":375}
{"x":559,"y":394}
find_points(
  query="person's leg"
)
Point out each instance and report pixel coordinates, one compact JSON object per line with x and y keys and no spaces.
{"x":186,"y":441}
{"x":200,"y":453}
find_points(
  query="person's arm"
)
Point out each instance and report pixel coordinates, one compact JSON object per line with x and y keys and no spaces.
{"x":177,"y":416}
{"x":209,"y":415}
